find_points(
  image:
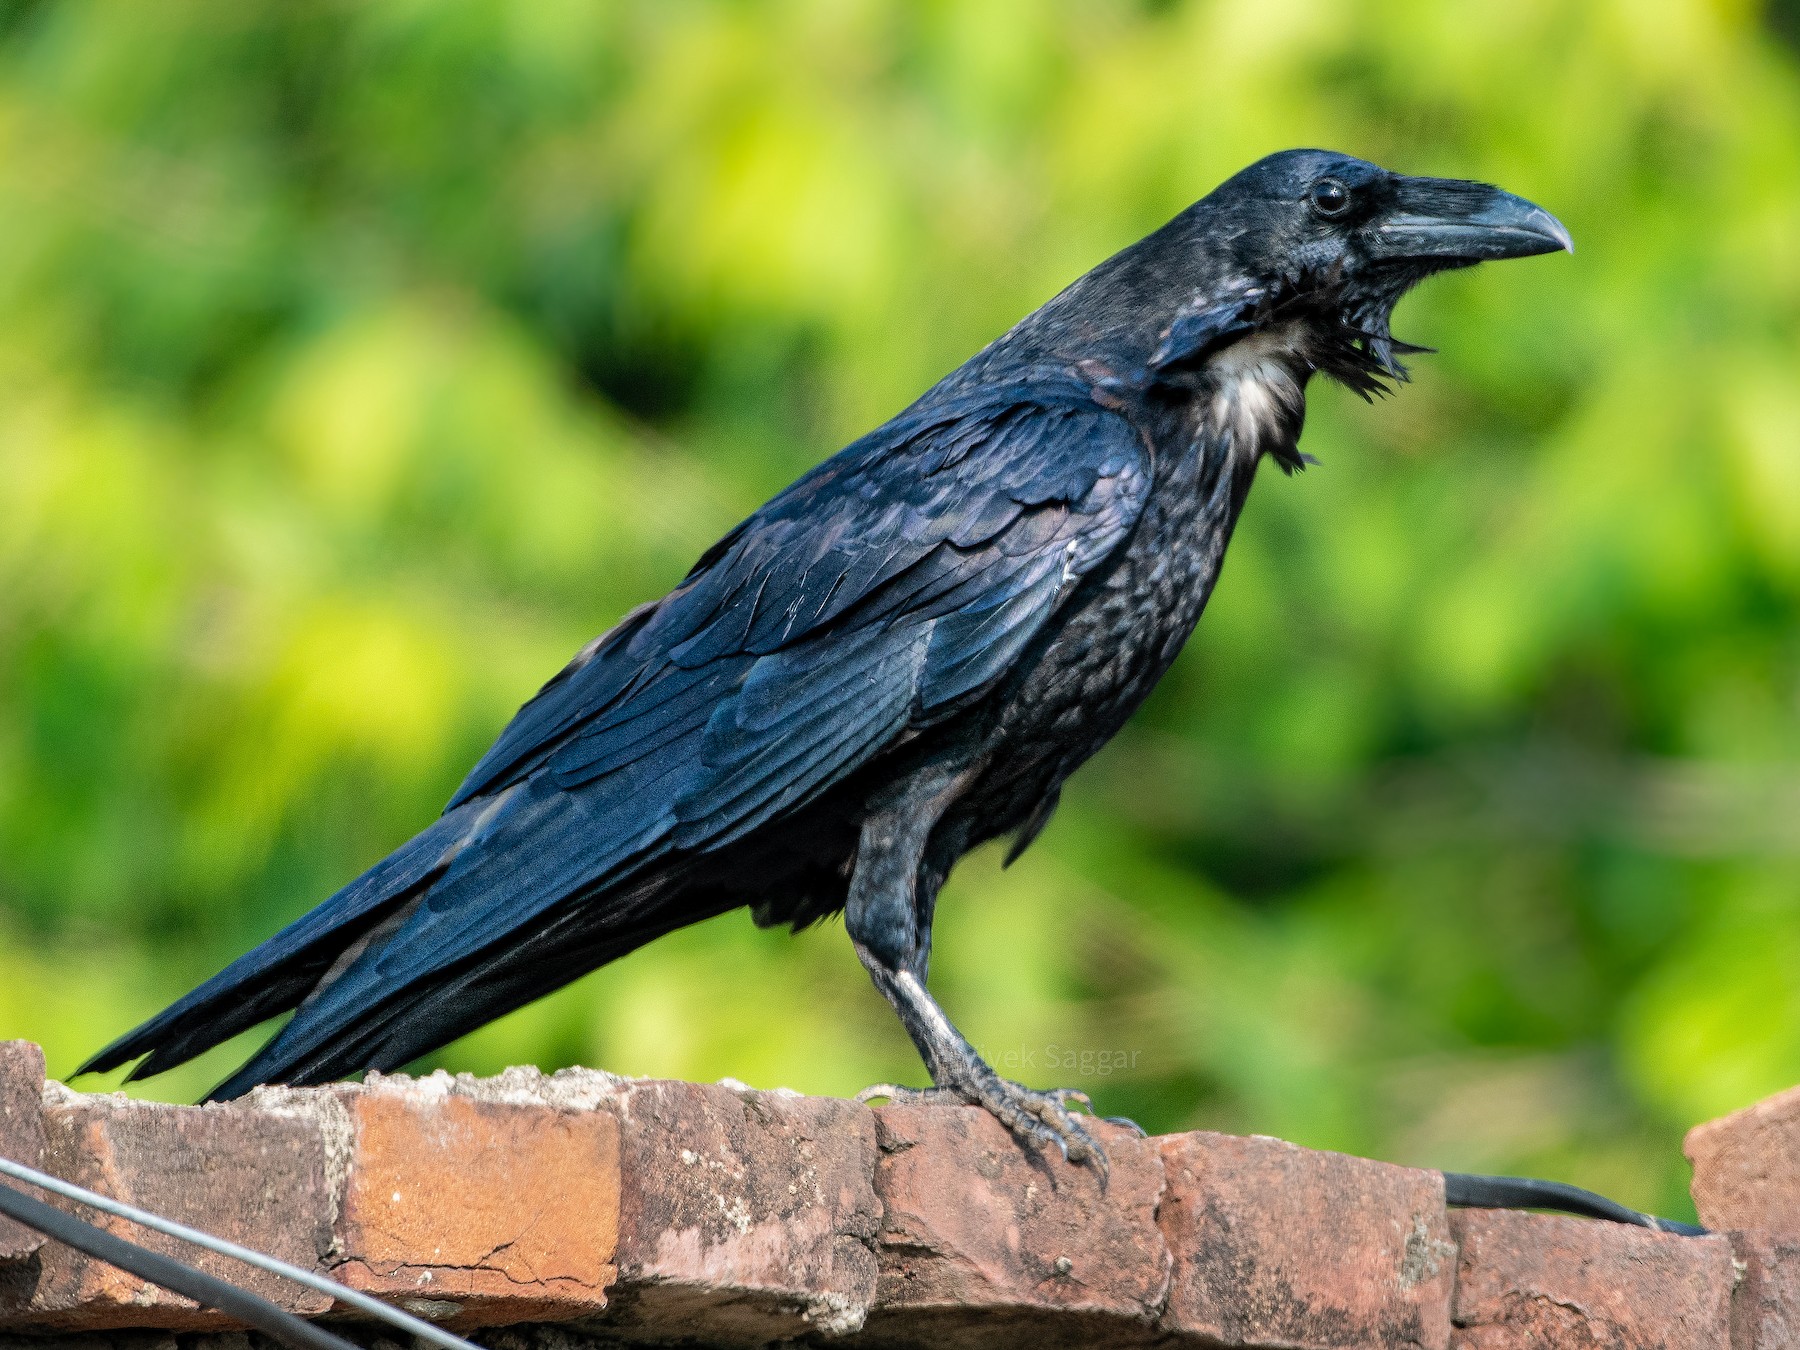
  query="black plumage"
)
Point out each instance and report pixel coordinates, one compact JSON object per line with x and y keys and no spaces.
{"x":901,"y":656}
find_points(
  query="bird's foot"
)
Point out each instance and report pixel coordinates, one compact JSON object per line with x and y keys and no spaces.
{"x":1034,"y":1116}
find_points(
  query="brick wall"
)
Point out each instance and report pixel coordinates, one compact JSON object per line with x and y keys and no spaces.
{"x":554,"y":1213}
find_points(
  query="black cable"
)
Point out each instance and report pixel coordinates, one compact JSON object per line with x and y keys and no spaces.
{"x":311,"y":1279}
{"x":275,"y":1323}
{"x":1464,"y":1190}
{"x":1471,"y":1191}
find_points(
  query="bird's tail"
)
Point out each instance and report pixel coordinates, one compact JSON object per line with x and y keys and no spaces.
{"x":277,"y":976}
{"x":501,"y":901}
{"x":429,"y":1010}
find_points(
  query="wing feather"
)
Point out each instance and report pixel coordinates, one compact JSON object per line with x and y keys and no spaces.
{"x":900,"y":577}
{"x":893,"y":583}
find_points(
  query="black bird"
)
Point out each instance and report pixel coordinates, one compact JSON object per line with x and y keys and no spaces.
{"x":900,"y":657}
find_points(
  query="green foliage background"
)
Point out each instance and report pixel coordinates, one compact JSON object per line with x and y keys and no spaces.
{"x":358,"y":361}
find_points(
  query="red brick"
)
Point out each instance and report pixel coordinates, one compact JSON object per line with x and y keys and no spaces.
{"x":253,"y":1177}
{"x":1765,"y":1309}
{"x":21,"y":1132}
{"x":1526,"y":1281}
{"x":747,"y":1217}
{"x":476,"y":1204}
{"x":1747,"y":1167}
{"x":1277,"y":1246}
{"x":718,"y":1215}
{"x":984,"y":1243}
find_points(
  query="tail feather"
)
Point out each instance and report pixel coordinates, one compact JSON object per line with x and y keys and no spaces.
{"x":536,"y":855}
{"x":278,"y":975}
{"x":419,"y":1015}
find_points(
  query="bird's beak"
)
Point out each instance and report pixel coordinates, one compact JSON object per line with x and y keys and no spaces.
{"x":1450,"y":221}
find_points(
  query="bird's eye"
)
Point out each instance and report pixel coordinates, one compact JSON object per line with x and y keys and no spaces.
{"x":1329,"y":198}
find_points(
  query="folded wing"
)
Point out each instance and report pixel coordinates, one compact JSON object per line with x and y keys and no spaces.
{"x":883,"y":591}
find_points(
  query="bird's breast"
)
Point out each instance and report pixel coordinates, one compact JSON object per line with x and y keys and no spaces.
{"x":1125,"y":623}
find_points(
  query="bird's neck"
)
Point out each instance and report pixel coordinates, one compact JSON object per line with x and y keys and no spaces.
{"x":1251,"y":395}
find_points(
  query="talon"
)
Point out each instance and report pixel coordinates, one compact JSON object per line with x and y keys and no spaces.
{"x":1039,"y":1117}
{"x":1081,"y":1146}
{"x":1127,"y":1123}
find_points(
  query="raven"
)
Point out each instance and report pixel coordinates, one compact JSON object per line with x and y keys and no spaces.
{"x":900,"y":657}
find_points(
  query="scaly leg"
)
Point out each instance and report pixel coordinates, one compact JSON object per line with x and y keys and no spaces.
{"x":961,"y":1075}
{"x":888,"y":915}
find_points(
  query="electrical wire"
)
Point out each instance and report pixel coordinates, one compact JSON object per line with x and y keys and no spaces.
{"x":323,"y":1284}
{"x":276,"y":1323}
{"x":1468,"y":1190}
{"x":1461,"y":1189}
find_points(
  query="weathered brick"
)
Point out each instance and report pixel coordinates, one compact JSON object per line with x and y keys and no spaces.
{"x":674,"y":1212}
{"x":1526,"y":1281}
{"x":1277,"y":1246}
{"x":986,"y":1243}
{"x":21,"y":1131}
{"x":746,"y":1217}
{"x":478,"y":1202}
{"x":244,"y":1174}
{"x":1747,"y":1167}
{"x":1765,"y":1308}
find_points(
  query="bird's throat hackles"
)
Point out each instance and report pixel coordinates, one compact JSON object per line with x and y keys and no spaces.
{"x":1251,"y":388}
{"x":1259,"y":390}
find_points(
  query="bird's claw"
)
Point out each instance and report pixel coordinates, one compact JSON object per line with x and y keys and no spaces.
{"x":1043,"y":1117}
{"x":1033,"y":1116}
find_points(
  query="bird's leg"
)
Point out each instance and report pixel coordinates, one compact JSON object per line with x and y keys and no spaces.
{"x":960,"y":1075}
{"x":888,"y":917}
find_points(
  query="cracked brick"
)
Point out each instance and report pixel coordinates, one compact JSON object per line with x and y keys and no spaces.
{"x":1765,"y":1309}
{"x":985,"y":1243}
{"x":478,"y":1211}
{"x":1526,"y":1281}
{"x":1280,"y":1246}
{"x":581,"y":1210}
{"x":21,"y":1131}
{"x":244,"y":1174}
{"x":749,"y":1217}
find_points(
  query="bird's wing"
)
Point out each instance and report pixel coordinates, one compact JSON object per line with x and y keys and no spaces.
{"x":943,"y":539}
{"x":881,"y":592}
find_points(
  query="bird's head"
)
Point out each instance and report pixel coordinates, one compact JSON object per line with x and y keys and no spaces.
{"x":1331,"y":243}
